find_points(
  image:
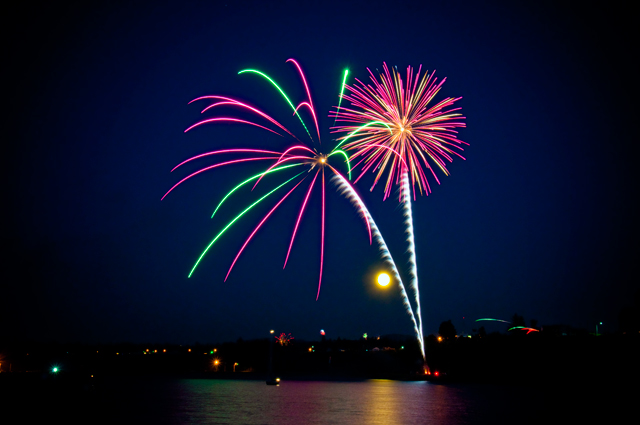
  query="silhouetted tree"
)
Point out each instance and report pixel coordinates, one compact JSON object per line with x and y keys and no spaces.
{"x":517,"y":320}
{"x":629,"y":316}
{"x":447,"y":330}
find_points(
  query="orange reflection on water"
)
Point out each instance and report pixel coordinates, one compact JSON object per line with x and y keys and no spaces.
{"x":383,"y":403}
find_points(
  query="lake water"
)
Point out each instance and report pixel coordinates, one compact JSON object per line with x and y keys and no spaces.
{"x":149,"y":400}
{"x":205,"y":401}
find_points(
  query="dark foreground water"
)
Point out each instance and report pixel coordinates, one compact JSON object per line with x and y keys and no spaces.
{"x":212,"y":401}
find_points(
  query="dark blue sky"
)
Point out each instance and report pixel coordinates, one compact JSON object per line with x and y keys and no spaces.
{"x":539,"y":220}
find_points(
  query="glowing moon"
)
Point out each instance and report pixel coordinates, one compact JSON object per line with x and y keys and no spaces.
{"x":383,"y":279}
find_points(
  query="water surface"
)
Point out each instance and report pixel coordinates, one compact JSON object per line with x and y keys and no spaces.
{"x":165,"y":400}
{"x":206,"y":401}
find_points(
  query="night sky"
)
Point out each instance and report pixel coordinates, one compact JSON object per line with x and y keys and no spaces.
{"x":539,"y":220}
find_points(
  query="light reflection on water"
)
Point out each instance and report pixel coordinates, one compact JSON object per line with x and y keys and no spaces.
{"x":371,"y":402}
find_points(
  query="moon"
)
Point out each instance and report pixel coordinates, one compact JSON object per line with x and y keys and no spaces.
{"x":383,"y":279}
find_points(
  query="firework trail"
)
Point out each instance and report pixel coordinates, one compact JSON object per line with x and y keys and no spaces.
{"x":492,"y":320}
{"x":529,"y":330}
{"x":391,"y":128}
{"x":346,"y":189}
{"x":298,"y":156}
{"x":413,"y":271}
{"x":344,"y":82}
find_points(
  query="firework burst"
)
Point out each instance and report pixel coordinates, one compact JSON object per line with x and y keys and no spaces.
{"x":391,"y":128}
{"x":302,"y":165}
{"x":299,"y":163}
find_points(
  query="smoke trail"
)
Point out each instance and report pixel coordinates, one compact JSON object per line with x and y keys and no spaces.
{"x":346,"y":189}
{"x":412,"y":248}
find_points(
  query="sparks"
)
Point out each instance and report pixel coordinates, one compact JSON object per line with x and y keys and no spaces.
{"x":295,"y":166}
{"x":396,"y":114}
{"x":390,"y":128}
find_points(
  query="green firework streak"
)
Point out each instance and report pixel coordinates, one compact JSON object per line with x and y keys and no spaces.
{"x":281,"y":92}
{"x":346,"y":159}
{"x":360,"y":128}
{"x":236,"y":219}
{"x":249,"y":180}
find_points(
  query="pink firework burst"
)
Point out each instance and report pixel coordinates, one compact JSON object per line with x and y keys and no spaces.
{"x":284,"y":339}
{"x":391,"y":126}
